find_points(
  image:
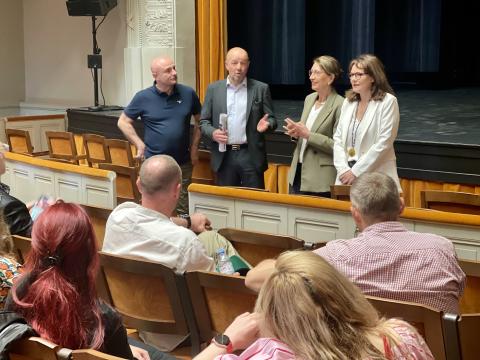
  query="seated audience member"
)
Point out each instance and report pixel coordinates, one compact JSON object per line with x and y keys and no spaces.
{"x":308,"y":310}
{"x":14,"y":211}
{"x":9,"y":267}
{"x":386,"y":259}
{"x":147,"y":231}
{"x":56,"y":294}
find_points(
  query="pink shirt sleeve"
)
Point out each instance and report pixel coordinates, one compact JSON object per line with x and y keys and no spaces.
{"x":262,"y":349}
{"x":412,"y":345}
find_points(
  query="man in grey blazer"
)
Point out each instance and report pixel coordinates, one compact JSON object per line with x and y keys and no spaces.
{"x":248,"y":104}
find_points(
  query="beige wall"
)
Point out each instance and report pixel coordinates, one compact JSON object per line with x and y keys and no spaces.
{"x":56,"y":49}
{"x":12,"y":79}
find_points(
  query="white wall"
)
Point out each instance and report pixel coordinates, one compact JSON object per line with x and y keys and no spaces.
{"x":56,"y":48}
{"x":12,"y":78}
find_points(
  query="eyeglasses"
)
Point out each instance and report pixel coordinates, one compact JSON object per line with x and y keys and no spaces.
{"x":314,"y":72}
{"x":356,"y":76}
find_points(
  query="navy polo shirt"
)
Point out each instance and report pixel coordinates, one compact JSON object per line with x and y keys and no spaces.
{"x":166,"y":120}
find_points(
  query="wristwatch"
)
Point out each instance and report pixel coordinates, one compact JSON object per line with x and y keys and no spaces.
{"x":223,"y":341}
{"x":186,"y":217}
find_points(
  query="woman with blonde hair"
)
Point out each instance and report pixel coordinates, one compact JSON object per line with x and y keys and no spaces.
{"x":9,"y":267}
{"x":368,"y":124}
{"x":312,"y":171}
{"x":308,"y":310}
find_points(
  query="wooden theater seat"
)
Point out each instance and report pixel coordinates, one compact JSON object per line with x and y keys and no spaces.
{"x":19,"y":142}
{"x":61,"y":145}
{"x":469,"y":344}
{"x":36,"y":348}
{"x":340,"y":192}
{"x":149,"y":296}
{"x":22,"y":246}
{"x":126,"y":182}
{"x":217,"y":299}
{"x":256,"y":246}
{"x":98,"y":216}
{"x":120,"y":152}
{"x":450,"y":201}
{"x":428,"y":321}
{"x":202,"y":173}
{"x":470,"y":300}
{"x":95,"y":149}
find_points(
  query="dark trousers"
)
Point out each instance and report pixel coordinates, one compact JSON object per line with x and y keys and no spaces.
{"x":238,"y":169}
{"x":295,"y":187}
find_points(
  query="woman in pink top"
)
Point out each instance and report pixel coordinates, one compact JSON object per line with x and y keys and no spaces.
{"x":308,"y":310}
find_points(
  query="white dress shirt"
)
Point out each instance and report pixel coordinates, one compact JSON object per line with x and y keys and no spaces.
{"x":312,"y":116}
{"x":237,"y":112}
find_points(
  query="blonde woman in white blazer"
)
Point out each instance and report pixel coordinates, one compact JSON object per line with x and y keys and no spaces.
{"x":368,"y":125}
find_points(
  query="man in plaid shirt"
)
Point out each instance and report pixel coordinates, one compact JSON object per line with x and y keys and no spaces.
{"x":386,"y":259}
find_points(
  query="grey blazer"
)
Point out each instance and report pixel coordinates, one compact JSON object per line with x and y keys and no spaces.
{"x":318,"y":172}
{"x":259,"y":103}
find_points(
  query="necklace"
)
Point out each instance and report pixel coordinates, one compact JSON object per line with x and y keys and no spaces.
{"x":351,"y":150}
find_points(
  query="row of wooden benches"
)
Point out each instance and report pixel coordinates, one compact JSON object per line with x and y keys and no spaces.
{"x":215,"y":299}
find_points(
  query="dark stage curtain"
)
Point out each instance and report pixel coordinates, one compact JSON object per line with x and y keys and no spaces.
{"x":421,"y":42}
{"x":408,"y":34}
{"x":273,"y":33}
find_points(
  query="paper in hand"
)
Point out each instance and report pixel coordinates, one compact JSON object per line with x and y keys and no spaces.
{"x":223,"y":125}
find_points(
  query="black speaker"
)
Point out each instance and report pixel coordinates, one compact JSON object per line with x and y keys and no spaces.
{"x":90,"y":7}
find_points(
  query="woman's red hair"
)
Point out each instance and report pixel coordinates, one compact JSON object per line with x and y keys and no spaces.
{"x":60,"y":300}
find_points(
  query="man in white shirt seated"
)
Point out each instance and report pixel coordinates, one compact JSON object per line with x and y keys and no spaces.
{"x":147,"y":231}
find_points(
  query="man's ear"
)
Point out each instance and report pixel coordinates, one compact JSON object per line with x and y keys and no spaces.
{"x":139,"y":185}
{"x":402,"y":205}
{"x":177,"y":190}
{"x":356,"y":215}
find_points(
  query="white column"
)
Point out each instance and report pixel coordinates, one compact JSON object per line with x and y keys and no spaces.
{"x":159,"y":27}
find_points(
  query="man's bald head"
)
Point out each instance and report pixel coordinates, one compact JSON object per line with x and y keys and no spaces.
{"x":164,"y":72}
{"x":158,"y":174}
{"x":236,"y":52}
{"x":237,"y":63}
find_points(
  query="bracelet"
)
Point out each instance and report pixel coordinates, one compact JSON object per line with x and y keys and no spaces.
{"x":186,"y":217}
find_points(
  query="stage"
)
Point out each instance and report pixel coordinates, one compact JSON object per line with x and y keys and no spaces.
{"x":438,"y":139}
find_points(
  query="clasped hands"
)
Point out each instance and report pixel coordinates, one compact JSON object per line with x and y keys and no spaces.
{"x":296,"y":129}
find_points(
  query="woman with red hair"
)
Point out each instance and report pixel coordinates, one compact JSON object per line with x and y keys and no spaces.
{"x":56,"y":294}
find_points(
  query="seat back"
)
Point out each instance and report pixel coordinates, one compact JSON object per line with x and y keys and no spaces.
{"x":22,"y":246}
{"x":120,"y":152}
{"x":95,"y":149}
{"x":148,"y":295}
{"x":90,"y":354}
{"x":468,"y":326}
{"x":470,"y":301}
{"x":256,"y":246}
{"x":98,"y":216}
{"x":202,"y":173}
{"x":61,"y":145}
{"x":36,"y":348}
{"x":126,"y":182}
{"x":340,"y":192}
{"x":428,"y":321}
{"x":217,"y":299}
{"x":451,"y":201}
{"x":19,"y":141}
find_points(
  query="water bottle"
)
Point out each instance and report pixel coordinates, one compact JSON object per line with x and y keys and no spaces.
{"x":224,"y":265}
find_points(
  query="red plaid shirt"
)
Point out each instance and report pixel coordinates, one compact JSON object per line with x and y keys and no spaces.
{"x":388,"y":261}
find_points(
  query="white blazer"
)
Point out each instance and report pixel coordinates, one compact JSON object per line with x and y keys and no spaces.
{"x":376,"y":139}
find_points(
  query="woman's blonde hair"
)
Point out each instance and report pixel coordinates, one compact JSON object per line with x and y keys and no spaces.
{"x":372,"y":66}
{"x":6,"y":243}
{"x":329,"y":65}
{"x":318,"y":312}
